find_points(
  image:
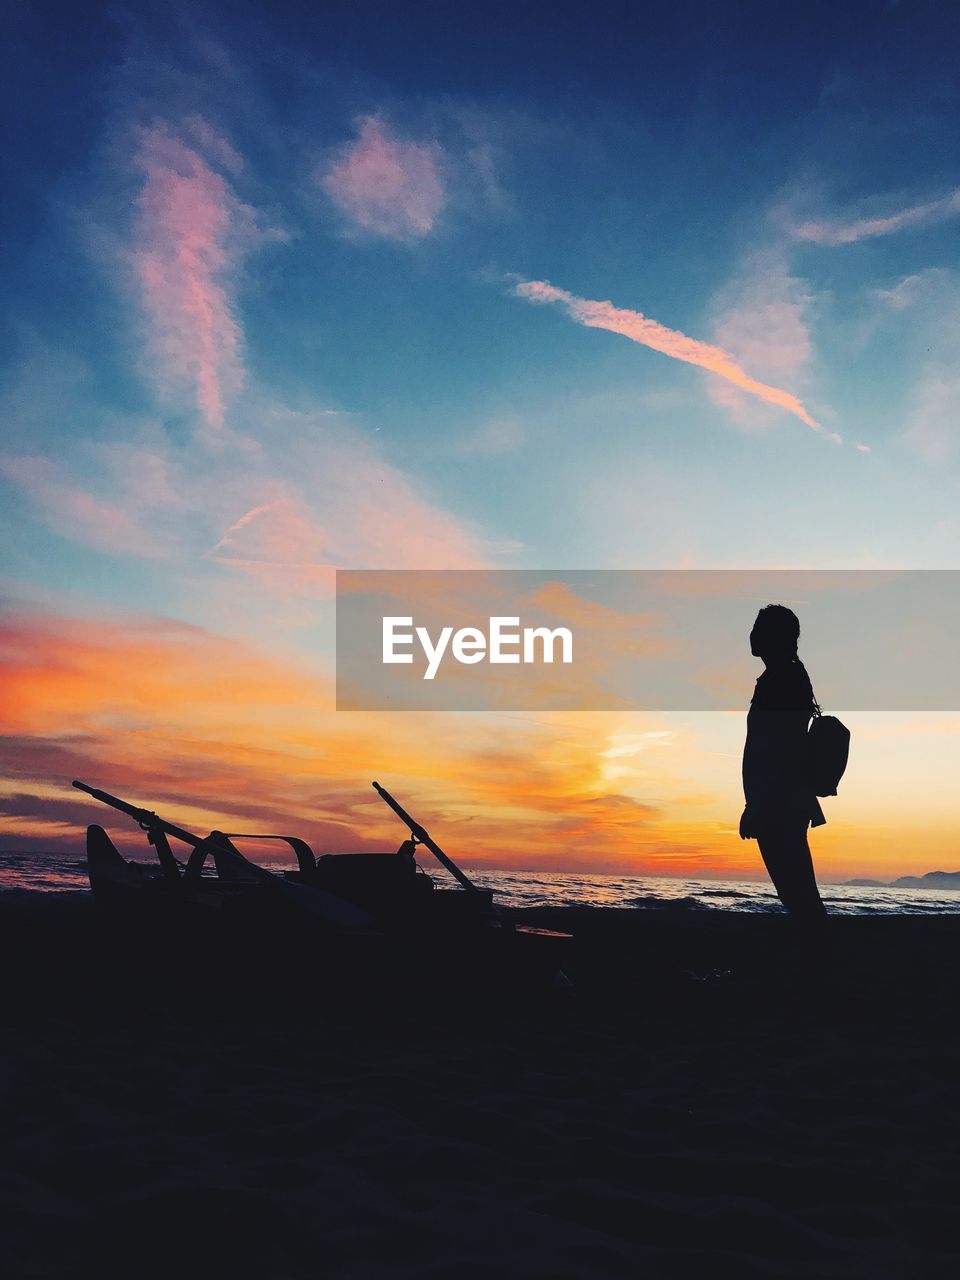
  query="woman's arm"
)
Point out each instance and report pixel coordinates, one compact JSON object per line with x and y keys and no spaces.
{"x":774,"y":756}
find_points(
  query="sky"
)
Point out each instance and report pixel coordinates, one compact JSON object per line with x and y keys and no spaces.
{"x":541,"y":286}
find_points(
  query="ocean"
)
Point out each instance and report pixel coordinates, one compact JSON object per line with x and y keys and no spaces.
{"x":563,"y":888}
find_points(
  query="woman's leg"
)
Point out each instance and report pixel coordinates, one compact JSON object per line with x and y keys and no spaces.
{"x":786,"y":855}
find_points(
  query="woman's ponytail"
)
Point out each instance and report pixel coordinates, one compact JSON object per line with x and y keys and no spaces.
{"x":780,"y":628}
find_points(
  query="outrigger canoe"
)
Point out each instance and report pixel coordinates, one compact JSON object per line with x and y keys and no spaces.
{"x":386,"y":899}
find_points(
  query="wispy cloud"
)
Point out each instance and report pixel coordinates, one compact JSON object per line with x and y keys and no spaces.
{"x":840,"y":231}
{"x":229,"y":537}
{"x":77,"y":512}
{"x":270,"y":519}
{"x":762,"y":318}
{"x":191,"y":236}
{"x":932,"y":424}
{"x":495,"y":438}
{"x":922,"y":311}
{"x":387,"y":185}
{"x":919,"y":286}
{"x":280,"y":544}
{"x":649,"y":333}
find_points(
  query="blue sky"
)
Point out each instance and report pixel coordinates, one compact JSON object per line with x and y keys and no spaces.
{"x":660,"y":163}
{"x":272,"y":281}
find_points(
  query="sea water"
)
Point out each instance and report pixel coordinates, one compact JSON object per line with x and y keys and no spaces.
{"x":51,"y":871}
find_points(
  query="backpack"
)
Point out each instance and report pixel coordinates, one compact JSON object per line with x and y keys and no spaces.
{"x":828,"y":747}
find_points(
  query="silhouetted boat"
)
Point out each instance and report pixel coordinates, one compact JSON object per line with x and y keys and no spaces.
{"x":386,"y":901}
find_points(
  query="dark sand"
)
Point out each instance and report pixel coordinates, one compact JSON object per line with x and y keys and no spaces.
{"x":704,"y":1102}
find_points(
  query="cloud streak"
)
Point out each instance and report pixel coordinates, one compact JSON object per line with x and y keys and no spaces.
{"x":649,"y":333}
{"x":837,"y":232}
{"x":191,"y":233}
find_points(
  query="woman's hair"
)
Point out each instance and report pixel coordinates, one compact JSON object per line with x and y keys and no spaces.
{"x":780,"y":629}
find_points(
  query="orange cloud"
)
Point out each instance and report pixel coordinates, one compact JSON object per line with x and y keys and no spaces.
{"x":213,"y":732}
{"x":618,"y":631}
{"x":649,"y":333}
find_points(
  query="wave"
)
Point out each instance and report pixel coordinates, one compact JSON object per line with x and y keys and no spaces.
{"x":652,"y":901}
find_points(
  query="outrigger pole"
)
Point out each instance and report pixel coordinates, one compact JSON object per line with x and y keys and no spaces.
{"x":157,"y":830}
{"x":422,"y":836}
{"x":145,"y":818}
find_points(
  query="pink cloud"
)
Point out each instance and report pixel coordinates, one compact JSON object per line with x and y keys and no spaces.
{"x":386,"y":185}
{"x":280,"y":545}
{"x":373,"y":513}
{"x":649,"y":333}
{"x":77,"y":513}
{"x":290,"y":527}
{"x":387,"y":523}
{"x":288,"y":508}
{"x":191,"y":235}
{"x":762,"y":320}
{"x":229,"y":539}
{"x":838,"y":232}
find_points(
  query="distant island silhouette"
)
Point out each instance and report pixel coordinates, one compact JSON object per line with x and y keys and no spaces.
{"x":932,"y":880}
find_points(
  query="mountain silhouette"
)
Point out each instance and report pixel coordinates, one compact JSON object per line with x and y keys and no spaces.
{"x":932,"y":880}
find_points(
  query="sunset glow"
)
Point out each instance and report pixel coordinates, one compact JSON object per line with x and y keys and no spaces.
{"x":274,"y":318}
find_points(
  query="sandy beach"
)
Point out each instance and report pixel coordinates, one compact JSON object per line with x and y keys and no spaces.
{"x":705,"y":1098}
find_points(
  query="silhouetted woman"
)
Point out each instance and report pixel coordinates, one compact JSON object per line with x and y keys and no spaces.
{"x":780,"y":803}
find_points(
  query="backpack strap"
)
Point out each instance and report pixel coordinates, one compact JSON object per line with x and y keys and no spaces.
{"x":816,"y":711}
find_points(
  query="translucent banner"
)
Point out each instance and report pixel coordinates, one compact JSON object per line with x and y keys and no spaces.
{"x":667,"y":640}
